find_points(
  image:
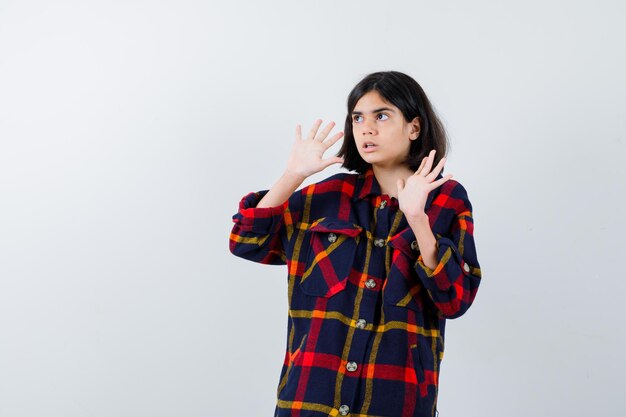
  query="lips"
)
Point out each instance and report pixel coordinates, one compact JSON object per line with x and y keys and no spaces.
{"x":369,"y":147}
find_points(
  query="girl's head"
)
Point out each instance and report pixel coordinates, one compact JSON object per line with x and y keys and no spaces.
{"x":390,"y":110}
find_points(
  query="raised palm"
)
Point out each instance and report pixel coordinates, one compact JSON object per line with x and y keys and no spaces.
{"x":306,"y":155}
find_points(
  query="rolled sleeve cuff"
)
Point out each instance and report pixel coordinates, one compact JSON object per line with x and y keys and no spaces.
{"x":262,"y":220}
{"x":450,"y":264}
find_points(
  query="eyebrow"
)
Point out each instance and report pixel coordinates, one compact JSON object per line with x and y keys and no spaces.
{"x":375,"y":111}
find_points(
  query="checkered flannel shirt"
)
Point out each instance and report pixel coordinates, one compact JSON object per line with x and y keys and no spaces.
{"x":366,"y":315}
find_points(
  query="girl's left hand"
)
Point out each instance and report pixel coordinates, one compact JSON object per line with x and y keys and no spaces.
{"x":413,"y":194}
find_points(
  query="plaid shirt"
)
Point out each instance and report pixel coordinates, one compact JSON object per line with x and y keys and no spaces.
{"x":366,"y":315}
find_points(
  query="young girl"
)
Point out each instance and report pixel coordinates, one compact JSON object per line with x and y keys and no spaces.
{"x":377,"y":260}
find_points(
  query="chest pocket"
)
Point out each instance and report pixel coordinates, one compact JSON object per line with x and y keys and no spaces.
{"x":330,"y":256}
{"x":402,"y":287}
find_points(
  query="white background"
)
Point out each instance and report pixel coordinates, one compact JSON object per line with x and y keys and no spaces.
{"x":130,"y":130}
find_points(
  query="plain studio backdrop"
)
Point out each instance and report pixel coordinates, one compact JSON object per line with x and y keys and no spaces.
{"x":131,"y":129}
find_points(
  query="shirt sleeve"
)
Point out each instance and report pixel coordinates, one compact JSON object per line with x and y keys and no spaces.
{"x":259,"y":234}
{"x":454,"y":282}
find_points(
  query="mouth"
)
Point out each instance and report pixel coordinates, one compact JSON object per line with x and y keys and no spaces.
{"x":369,"y":147}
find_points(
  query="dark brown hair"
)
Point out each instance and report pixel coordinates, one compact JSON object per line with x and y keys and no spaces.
{"x":407,"y":95}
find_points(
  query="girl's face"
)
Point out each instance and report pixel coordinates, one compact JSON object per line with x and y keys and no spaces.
{"x":381,"y":124}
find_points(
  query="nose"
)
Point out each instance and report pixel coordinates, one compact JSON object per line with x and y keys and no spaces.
{"x":368,"y":129}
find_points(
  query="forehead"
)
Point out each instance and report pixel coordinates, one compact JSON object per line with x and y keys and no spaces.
{"x":372,"y":101}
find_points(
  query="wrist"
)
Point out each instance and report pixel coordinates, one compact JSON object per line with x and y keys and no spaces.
{"x":418,"y":219}
{"x":293,"y":177}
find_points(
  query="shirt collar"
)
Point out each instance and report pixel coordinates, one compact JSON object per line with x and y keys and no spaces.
{"x":366,"y":185}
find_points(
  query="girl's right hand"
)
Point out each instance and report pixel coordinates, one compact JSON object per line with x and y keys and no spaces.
{"x":306,"y":155}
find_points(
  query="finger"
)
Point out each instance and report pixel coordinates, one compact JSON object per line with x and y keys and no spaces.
{"x":325,"y":132}
{"x":435,"y":172}
{"x":429,"y":163}
{"x":313,"y":130}
{"x":330,"y":142}
{"x":421,"y":166}
{"x":440,"y":181}
{"x":298,"y":132}
{"x":334,"y":160}
{"x":400,"y":185}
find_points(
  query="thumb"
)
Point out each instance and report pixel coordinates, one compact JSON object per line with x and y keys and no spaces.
{"x":400,"y":184}
{"x":334,"y":160}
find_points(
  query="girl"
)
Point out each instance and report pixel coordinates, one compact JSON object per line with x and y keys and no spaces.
{"x":377,"y":260}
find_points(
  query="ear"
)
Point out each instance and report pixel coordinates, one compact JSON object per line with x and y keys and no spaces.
{"x":415,"y":128}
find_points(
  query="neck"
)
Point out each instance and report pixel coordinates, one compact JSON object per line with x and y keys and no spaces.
{"x":387,"y":178}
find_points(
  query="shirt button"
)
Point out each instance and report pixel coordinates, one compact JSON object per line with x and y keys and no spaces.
{"x":360,"y":324}
{"x":383,"y":204}
{"x":414,"y":245}
{"x":344,"y":410}
{"x":466,"y":267}
{"x":370,"y":283}
{"x":351,"y":366}
{"x":332,"y":237}
{"x":379,"y":242}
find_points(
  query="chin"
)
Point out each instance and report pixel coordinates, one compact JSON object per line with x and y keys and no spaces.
{"x":372,"y":159}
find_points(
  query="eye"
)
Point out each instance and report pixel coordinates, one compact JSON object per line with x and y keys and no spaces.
{"x":383,"y":115}
{"x":355,"y":118}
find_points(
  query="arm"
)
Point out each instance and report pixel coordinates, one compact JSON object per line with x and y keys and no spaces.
{"x":281,"y":190}
{"x":449,"y":268}
{"x":426,"y":241}
{"x":264,"y":220}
